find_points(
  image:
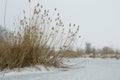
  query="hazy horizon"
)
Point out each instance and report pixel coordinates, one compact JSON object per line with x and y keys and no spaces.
{"x":99,"y":20}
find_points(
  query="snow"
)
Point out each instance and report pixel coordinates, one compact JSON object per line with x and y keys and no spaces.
{"x":78,"y":69}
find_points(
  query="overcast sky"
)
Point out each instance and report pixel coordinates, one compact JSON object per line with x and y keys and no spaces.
{"x":99,"y":20}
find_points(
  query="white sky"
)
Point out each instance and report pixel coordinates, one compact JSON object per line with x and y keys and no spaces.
{"x":99,"y":20}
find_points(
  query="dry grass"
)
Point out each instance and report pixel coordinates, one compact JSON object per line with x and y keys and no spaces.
{"x":35,"y":40}
{"x":72,"y":54}
{"x":105,"y":52}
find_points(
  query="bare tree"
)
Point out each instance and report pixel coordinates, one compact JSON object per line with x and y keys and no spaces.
{"x":88,"y":48}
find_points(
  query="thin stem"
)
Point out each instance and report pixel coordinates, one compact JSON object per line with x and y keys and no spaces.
{"x":5,"y":13}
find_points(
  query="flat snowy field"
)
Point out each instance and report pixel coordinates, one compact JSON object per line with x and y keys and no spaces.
{"x":78,"y":69}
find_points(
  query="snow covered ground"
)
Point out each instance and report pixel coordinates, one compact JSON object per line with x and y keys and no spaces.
{"x":78,"y":69}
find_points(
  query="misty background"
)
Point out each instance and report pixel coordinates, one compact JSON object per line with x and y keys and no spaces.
{"x":99,"y":20}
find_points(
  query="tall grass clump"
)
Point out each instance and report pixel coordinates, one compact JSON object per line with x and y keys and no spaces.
{"x":38,"y":39}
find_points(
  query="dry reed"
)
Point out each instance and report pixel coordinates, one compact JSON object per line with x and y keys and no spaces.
{"x":35,"y":40}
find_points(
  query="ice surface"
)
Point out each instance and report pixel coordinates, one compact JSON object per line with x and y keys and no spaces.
{"x":78,"y":69}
